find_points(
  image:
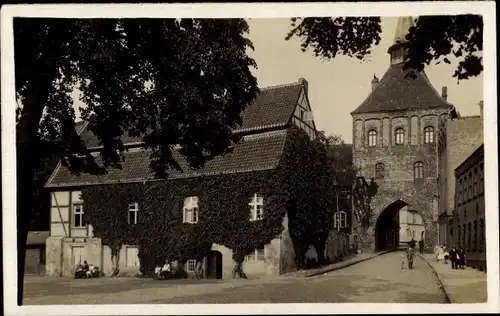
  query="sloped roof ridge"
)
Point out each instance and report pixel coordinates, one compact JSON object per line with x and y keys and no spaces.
{"x":281,"y":86}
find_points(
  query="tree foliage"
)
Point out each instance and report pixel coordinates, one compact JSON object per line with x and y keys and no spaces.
{"x":433,"y":38}
{"x":363,"y":193}
{"x":301,"y":186}
{"x":172,"y":81}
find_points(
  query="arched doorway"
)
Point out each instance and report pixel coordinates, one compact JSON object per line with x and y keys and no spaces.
{"x":214,"y":265}
{"x":387,"y":227}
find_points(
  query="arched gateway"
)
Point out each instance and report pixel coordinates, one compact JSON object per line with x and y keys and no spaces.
{"x":387,"y":227}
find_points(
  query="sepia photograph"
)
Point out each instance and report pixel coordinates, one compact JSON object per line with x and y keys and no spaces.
{"x":270,"y":155}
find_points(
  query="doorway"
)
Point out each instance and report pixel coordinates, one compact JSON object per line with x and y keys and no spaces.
{"x":214,"y":265}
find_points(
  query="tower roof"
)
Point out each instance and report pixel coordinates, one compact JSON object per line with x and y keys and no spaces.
{"x":397,"y":92}
{"x":402,"y":27}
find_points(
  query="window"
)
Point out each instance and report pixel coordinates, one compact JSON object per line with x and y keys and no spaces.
{"x":481,"y":234}
{"x":418,"y":170}
{"x":476,"y":188}
{"x":470,"y":185}
{"x":379,"y":170}
{"x":399,"y":136}
{"x":469,"y":235}
{"x":340,"y":219}
{"x":78,"y":218}
{"x":459,"y":237}
{"x":463,"y":236}
{"x":190,"y":210}
{"x":257,"y":254}
{"x":191,"y":265}
{"x":372,"y":138}
{"x":256,"y":208}
{"x":428,"y":135}
{"x":465,"y":189}
{"x":133,"y":208}
{"x":459,"y":199}
{"x":481,"y":179}
{"x":474,"y":236}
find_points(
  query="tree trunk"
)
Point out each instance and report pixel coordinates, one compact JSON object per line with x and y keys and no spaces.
{"x":238,"y":270}
{"x":115,"y":261}
{"x":319,"y":245}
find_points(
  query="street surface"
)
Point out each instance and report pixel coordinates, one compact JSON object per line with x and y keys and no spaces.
{"x":378,"y":280}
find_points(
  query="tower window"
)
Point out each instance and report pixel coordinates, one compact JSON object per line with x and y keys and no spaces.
{"x":428,"y":135}
{"x":372,"y":138}
{"x":399,"y":136}
{"x":418,"y":170}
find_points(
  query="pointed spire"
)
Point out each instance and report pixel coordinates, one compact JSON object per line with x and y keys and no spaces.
{"x":404,"y":24}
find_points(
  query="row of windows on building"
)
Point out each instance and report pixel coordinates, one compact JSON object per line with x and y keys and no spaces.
{"x":471,"y":185}
{"x":399,"y":136}
{"x":189,"y":211}
{"x":418,"y":170}
{"x":471,"y":236}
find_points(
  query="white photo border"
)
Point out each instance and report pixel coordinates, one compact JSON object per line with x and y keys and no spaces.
{"x":247,"y":10}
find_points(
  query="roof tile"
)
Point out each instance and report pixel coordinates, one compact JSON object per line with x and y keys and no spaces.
{"x":253,"y":153}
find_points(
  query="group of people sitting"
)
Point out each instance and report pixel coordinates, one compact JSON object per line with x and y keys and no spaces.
{"x":86,"y":271}
{"x":163,"y":273}
{"x":456,"y":255}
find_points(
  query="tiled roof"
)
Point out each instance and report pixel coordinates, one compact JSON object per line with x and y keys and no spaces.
{"x":396,"y":92}
{"x":253,"y":153}
{"x":273,"y":107}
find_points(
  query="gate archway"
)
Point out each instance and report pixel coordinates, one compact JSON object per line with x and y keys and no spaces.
{"x":387,"y":227}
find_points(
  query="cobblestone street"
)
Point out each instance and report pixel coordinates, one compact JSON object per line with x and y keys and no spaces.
{"x":378,"y":280}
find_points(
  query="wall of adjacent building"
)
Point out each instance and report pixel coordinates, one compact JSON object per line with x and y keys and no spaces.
{"x":458,"y":138}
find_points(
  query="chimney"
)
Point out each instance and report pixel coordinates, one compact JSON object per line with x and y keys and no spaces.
{"x":303,"y":82}
{"x":481,"y":104}
{"x":444,"y":93}
{"x":374,"y":82}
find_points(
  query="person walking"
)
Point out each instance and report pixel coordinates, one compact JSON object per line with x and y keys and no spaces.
{"x":461,"y":258}
{"x":421,"y":246}
{"x":410,"y":255}
{"x":453,"y":258}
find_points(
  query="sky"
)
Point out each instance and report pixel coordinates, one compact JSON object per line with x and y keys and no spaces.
{"x":338,"y":86}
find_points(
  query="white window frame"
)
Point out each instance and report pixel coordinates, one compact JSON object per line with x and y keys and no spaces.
{"x":254,"y":204}
{"x":418,"y":170}
{"x":80,"y":213}
{"x":372,"y":138}
{"x":399,"y":136}
{"x":340,"y":219}
{"x":190,"y":210}
{"x":191,"y":265}
{"x":134,"y":210}
{"x":429,"y":134}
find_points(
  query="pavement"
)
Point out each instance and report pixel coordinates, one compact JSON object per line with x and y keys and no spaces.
{"x":354,"y":259}
{"x":378,"y":280}
{"x":461,"y":286}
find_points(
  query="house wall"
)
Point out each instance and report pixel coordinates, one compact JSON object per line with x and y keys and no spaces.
{"x":68,"y":245}
{"x":34,"y":263}
{"x":458,"y":138}
{"x":398,"y":183}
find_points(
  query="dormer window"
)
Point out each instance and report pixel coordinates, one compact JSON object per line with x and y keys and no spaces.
{"x":372,"y":138}
{"x":399,"y":136}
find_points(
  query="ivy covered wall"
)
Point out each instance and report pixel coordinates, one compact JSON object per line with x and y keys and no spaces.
{"x":302,"y":185}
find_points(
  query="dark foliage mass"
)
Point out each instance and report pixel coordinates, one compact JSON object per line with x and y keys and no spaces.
{"x":434,"y":38}
{"x":173,"y":81}
{"x":301,"y":186}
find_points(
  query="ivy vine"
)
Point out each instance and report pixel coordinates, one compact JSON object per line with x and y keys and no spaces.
{"x":301,"y":185}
